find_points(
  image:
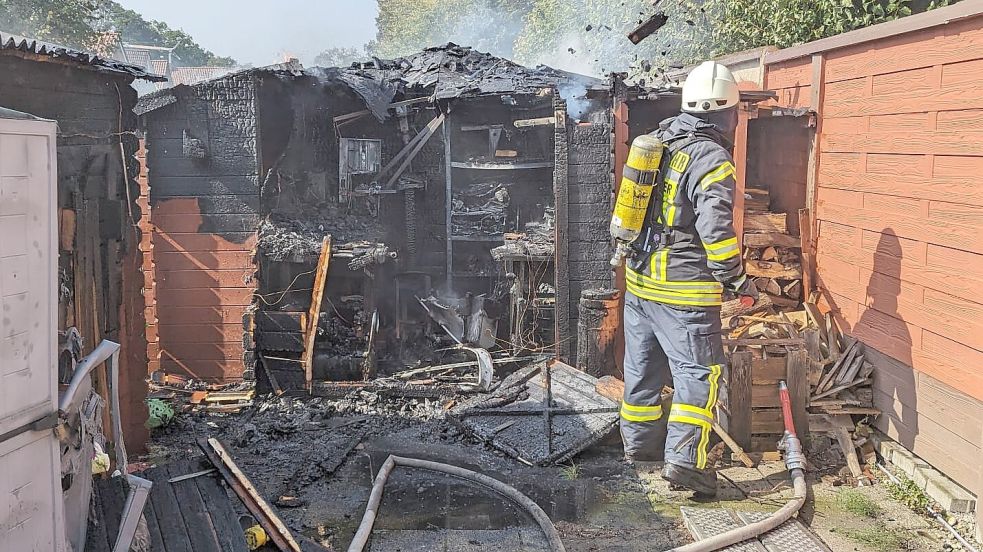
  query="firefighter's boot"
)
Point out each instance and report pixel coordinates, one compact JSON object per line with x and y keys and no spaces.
{"x":702,"y":482}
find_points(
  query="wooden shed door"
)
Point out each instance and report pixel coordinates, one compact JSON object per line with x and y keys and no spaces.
{"x":30,"y":488}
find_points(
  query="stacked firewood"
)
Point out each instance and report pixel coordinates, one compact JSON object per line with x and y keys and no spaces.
{"x":771,"y":254}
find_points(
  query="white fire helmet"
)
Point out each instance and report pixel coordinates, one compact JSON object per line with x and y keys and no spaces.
{"x":710,"y":87}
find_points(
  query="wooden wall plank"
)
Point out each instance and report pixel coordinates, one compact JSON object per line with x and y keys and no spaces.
{"x":950,"y":43}
{"x":953,"y":97}
{"x":930,"y":229}
{"x":211,"y":296}
{"x":214,"y":314}
{"x":180,"y":241}
{"x":171,"y":335}
{"x":952,"y":189}
{"x":207,"y":370}
{"x":788,"y":74}
{"x":210,"y":279}
{"x":935,"y":143}
{"x":208,"y":260}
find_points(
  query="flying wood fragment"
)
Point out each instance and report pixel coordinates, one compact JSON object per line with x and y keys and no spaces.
{"x":647,"y":27}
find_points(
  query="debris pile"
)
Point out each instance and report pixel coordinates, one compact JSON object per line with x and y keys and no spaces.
{"x":183,"y":394}
{"x":542,"y":414}
{"x":829,"y":378}
{"x":292,"y":240}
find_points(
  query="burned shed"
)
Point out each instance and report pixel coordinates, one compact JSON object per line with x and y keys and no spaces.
{"x":100,"y":281}
{"x":456,"y":190}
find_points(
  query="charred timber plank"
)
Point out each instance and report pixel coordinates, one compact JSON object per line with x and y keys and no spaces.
{"x":566,"y":304}
{"x":317,"y":296}
{"x":280,"y":341}
{"x":271,"y":321}
{"x":169,"y":516}
{"x":244,"y":489}
{"x":196,"y":516}
{"x":224,"y":519}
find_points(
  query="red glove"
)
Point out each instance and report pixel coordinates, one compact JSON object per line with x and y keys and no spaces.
{"x":747,"y":301}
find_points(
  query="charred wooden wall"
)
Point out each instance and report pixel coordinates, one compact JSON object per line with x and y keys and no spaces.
{"x":203,"y":166}
{"x":899,"y":214}
{"x":588,"y":155}
{"x":100,"y":283}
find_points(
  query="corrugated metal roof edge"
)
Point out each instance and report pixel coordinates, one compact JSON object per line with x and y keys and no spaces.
{"x":12,"y":42}
{"x":939,"y":16}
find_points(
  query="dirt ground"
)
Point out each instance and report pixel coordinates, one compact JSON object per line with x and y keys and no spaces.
{"x":326,"y":452}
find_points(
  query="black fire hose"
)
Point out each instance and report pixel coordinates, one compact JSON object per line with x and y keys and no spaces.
{"x":375,"y":498}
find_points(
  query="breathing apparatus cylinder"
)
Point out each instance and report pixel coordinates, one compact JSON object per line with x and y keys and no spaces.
{"x":641,"y":173}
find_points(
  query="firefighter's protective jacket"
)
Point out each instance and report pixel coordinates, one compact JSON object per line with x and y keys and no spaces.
{"x":688,"y":252}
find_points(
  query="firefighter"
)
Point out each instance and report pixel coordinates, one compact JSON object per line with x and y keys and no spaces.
{"x":684,"y":259}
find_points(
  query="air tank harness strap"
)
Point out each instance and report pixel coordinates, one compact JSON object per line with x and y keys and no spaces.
{"x":656,"y":233}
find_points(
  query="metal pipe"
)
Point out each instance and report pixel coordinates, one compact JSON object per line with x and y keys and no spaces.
{"x":795,"y":462}
{"x":935,"y":515}
{"x":375,"y":498}
{"x":100,"y":354}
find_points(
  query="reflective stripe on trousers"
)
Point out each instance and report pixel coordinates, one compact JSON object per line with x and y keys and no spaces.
{"x":680,"y":348}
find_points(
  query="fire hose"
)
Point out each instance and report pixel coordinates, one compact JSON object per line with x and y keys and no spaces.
{"x":795,"y":462}
{"x":375,"y":498}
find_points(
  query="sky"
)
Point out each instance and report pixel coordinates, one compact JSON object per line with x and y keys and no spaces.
{"x":260,"y":32}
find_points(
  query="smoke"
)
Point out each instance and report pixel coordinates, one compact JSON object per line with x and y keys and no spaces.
{"x":588,"y":37}
{"x":575,"y":94}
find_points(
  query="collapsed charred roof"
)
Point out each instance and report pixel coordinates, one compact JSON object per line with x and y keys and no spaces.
{"x":416,"y":169}
{"x":452,"y":71}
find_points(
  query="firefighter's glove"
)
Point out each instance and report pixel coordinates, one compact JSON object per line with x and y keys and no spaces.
{"x":745,"y":290}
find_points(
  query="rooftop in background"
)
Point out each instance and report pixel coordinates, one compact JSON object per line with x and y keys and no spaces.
{"x":192,"y":75}
{"x":29,"y":47}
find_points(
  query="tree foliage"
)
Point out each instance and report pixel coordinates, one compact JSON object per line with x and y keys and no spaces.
{"x":85,"y":24}
{"x":589,"y":36}
{"x":67,"y":22}
{"x":407,"y":26}
{"x":747,"y":24}
{"x":338,"y":57}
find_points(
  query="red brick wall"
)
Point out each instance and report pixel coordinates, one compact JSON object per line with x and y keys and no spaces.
{"x":899,"y":207}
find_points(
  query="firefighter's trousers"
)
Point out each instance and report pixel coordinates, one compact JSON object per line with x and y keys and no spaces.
{"x":682,"y":349}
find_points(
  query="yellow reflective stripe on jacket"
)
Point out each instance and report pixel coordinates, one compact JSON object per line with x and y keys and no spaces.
{"x":635,"y":413}
{"x":674,"y":298}
{"x":723,"y":171}
{"x":722,"y":250}
{"x":698,"y":288}
{"x":722,"y":256}
{"x":669,"y":203}
{"x":642,"y":281}
{"x":660,"y":264}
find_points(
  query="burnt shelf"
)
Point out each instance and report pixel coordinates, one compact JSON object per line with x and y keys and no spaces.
{"x":494,"y":239}
{"x":502,"y":166}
